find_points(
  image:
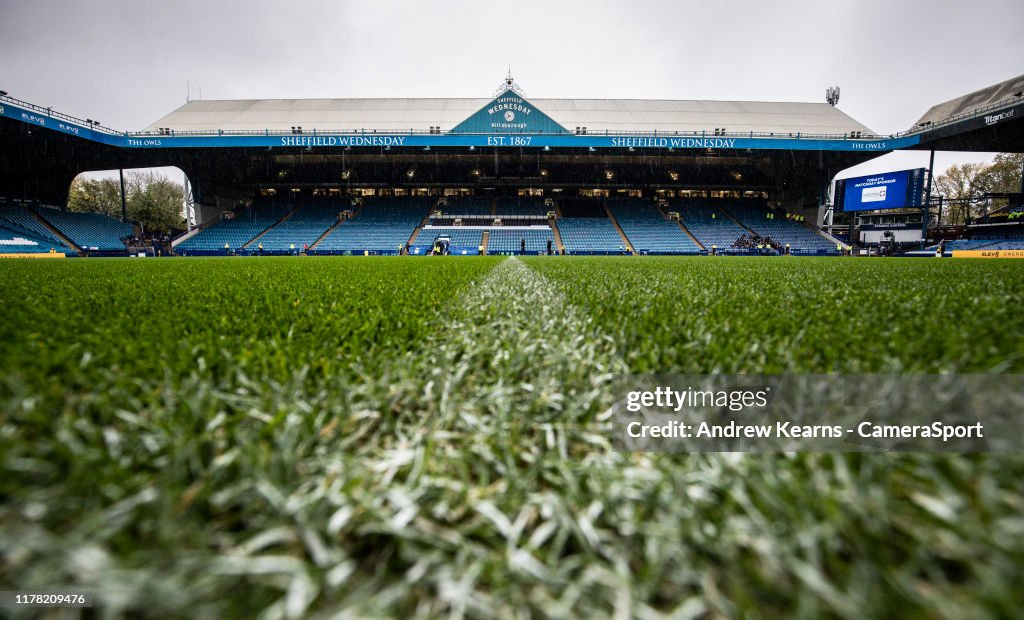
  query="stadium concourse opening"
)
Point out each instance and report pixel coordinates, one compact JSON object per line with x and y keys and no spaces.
{"x":505,"y":174}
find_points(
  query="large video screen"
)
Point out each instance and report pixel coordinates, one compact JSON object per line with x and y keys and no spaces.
{"x":888,"y":190}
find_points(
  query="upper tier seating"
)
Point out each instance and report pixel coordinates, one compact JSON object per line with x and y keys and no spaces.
{"x":89,"y":231}
{"x":648,"y":230}
{"x":474,"y":206}
{"x":521,"y":206}
{"x":382,"y":225}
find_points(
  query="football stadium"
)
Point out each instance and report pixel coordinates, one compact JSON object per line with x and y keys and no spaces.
{"x":378,"y":372}
{"x":504,"y":175}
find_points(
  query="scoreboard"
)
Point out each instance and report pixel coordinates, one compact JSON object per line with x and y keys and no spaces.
{"x":888,"y":190}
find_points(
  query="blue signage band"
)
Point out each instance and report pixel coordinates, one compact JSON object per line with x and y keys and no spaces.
{"x":363,"y":139}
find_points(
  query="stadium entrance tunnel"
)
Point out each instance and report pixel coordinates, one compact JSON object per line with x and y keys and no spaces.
{"x":109,"y":212}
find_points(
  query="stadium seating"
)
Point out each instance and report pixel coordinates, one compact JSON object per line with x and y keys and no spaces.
{"x":235,"y":231}
{"x":590,"y":235}
{"x":984,"y":241}
{"x":461,"y":236}
{"x":647,"y":229}
{"x":461,"y":206}
{"x":753,"y":214}
{"x":381,"y":226}
{"x":581,"y":207}
{"x":19,"y":221}
{"x":509,"y":240}
{"x":521,"y":206}
{"x":14,"y":242}
{"x":709,"y":224}
{"x":89,"y":231}
{"x":307,"y":224}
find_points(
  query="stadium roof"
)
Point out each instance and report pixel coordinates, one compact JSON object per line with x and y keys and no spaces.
{"x":1003,"y":91}
{"x":597,"y":115}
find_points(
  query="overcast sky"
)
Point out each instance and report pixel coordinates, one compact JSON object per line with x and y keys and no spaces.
{"x":126,"y":63}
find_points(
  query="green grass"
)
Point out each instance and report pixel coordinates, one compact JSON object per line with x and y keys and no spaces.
{"x":422,"y":437}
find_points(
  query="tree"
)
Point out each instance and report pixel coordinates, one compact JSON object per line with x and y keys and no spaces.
{"x":963,"y":186}
{"x":95,"y":196}
{"x":1004,"y":174}
{"x":156,"y":202}
{"x":152,"y":200}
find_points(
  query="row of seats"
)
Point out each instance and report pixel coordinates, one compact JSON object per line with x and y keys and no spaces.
{"x":19,"y":219}
{"x":382,"y":225}
{"x":983,"y":243}
{"x":510,"y":241}
{"x":754,"y":214}
{"x":500,"y":240}
{"x":18,"y":242}
{"x":521,"y":206}
{"x":709,"y":224}
{"x":504,"y":207}
{"x":648,"y":230}
{"x":589,"y":234}
{"x":466,"y":205}
{"x":460,"y":236}
{"x":89,"y":231}
{"x":236,"y":231}
{"x":305,"y":225}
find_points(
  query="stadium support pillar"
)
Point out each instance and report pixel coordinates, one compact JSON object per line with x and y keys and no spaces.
{"x":927,"y":198}
{"x":124,"y":202}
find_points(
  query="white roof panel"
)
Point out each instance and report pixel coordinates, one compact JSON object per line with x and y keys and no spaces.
{"x":597,"y":115}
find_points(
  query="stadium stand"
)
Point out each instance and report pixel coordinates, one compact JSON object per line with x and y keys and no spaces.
{"x":755,"y":215}
{"x":586,"y":229}
{"x":461,"y":206}
{"x":984,"y":241}
{"x":590,"y":235}
{"x":89,"y":231}
{"x":647,"y":229}
{"x":305,"y":225}
{"x":381,"y":226}
{"x":234,"y":232}
{"x":462,"y":237}
{"x":12,"y":242}
{"x":709,"y":224}
{"x":19,"y":221}
{"x":521,"y":206}
{"x":509,"y":240}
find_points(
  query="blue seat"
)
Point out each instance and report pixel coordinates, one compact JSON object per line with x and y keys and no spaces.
{"x":89,"y":231}
{"x":234,"y":231}
{"x":381,"y":226}
{"x":648,"y":230}
{"x":590,"y":235}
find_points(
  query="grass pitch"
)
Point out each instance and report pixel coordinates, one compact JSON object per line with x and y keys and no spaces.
{"x":420,"y":437}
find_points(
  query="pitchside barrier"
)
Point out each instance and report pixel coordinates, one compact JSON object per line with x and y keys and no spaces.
{"x":988,"y":253}
{"x":34,"y":255}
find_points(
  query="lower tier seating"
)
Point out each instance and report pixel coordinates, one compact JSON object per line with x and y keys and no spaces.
{"x":648,"y":230}
{"x":510,"y":240}
{"x":89,"y":231}
{"x":382,"y":225}
{"x":590,"y":235}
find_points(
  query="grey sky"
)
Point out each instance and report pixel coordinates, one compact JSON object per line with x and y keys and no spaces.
{"x":126,"y":63}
